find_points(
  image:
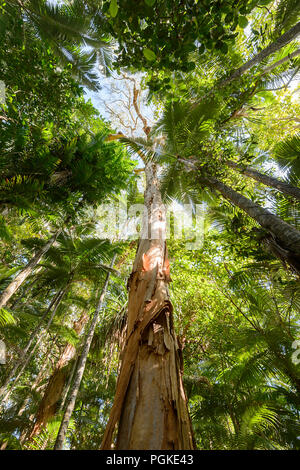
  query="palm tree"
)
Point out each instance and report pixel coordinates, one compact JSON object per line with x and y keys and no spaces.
{"x":267,"y":180}
{"x":285,"y":233}
{"x":80,"y":366}
{"x":68,"y":29}
{"x":244,"y":393}
{"x":26,"y":354}
{"x":275,"y":46}
{"x":183,"y":127}
{"x":14,"y":285}
{"x":67,"y":263}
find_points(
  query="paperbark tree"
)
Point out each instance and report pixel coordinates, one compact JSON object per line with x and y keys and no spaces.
{"x":150,"y":405}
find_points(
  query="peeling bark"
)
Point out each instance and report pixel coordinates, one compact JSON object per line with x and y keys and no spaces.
{"x":150,"y":405}
{"x":53,"y":393}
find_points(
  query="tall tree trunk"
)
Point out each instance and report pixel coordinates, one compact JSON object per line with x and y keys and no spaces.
{"x":285,"y":233}
{"x":150,"y":405}
{"x":282,"y":41}
{"x":280,"y":62}
{"x":275,"y":46}
{"x":35,"y":384}
{"x":24,"y":357}
{"x":68,"y":384}
{"x":80,"y":368}
{"x":267,"y":180}
{"x":283,"y":240}
{"x":12,"y":288}
{"x":53,"y":393}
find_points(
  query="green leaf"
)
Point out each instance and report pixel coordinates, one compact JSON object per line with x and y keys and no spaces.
{"x":150,"y":55}
{"x":150,"y":2}
{"x":6,"y":317}
{"x":224,"y":48}
{"x":228,"y":18}
{"x":243,"y":22}
{"x":113,"y":8}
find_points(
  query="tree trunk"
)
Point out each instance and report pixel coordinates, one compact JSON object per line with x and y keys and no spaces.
{"x":288,"y":236}
{"x":280,"y":62}
{"x":53,"y":393}
{"x":68,"y":384}
{"x":267,"y":180}
{"x":282,"y":41}
{"x":150,"y":405}
{"x":35,"y":385}
{"x":80,"y":368}
{"x":25,"y":358}
{"x":12,"y":288}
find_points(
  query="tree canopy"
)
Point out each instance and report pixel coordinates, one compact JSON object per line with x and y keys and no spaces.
{"x":184,"y":116}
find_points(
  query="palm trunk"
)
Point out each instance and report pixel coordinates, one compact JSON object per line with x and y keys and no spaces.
{"x":267,"y":180}
{"x":27,"y":400}
{"x":68,"y":384}
{"x":53,"y":393}
{"x":150,"y":405}
{"x":12,"y":288}
{"x":33,"y":387}
{"x":288,"y":236}
{"x":280,"y":62}
{"x":282,"y":41}
{"x":80,"y":368}
{"x":25,"y":358}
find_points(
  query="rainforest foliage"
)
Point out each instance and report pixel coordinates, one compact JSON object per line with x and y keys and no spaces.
{"x":205,"y":93}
